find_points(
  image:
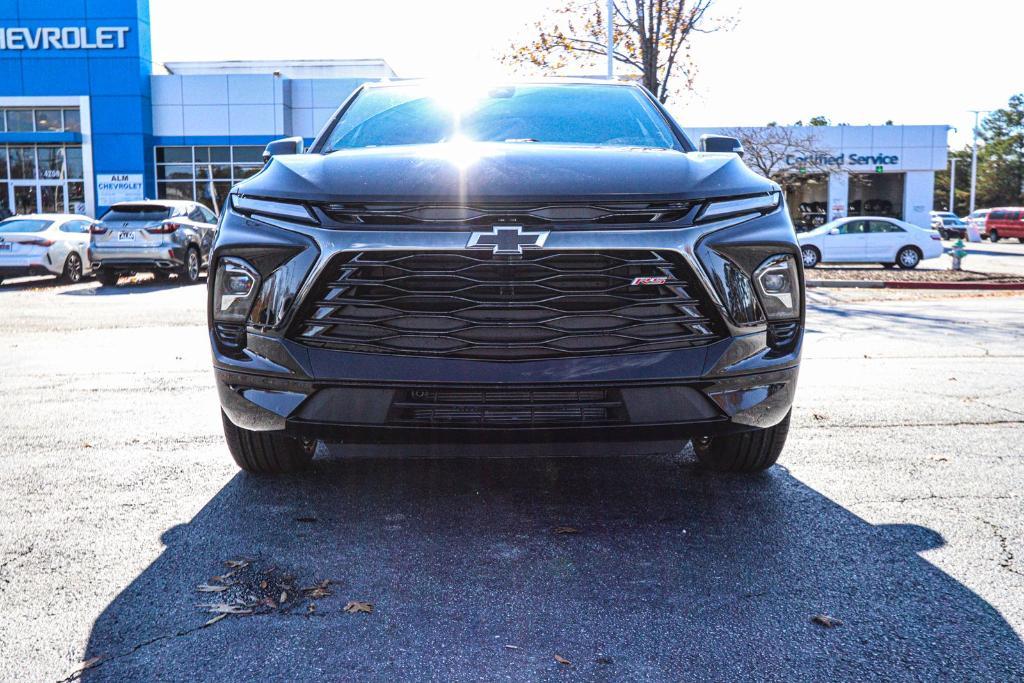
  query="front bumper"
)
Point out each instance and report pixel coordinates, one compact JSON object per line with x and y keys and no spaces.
{"x":162,"y":257}
{"x":738,"y":383}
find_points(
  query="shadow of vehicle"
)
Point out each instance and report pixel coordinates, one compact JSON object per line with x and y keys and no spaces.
{"x":38,"y":282}
{"x":132,"y":286}
{"x":671,"y":574}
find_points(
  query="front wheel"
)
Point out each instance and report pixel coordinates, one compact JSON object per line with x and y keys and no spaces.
{"x":908,"y":257}
{"x":811,"y":256}
{"x":993,"y":235}
{"x":266,"y":452}
{"x":745,"y":452}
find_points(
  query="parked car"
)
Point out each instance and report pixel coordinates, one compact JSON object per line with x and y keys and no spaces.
{"x":540,"y":267}
{"x":1003,"y":223}
{"x":163,"y":237}
{"x":948,"y":225}
{"x":977,"y":219}
{"x":869,"y":239}
{"x":45,"y":244}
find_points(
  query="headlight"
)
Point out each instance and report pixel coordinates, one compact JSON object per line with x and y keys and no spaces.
{"x":273,"y":208}
{"x":762,"y":203}
{"x":778,"y":285}
{"x":234,"y":289}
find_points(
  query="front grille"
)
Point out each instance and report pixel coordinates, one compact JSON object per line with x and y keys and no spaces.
{"x":508,"y":407}
{"x":611,"y":213}
{"x":464,"y":304}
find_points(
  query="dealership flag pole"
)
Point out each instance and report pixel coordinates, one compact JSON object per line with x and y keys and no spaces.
{"x":974,"y":158}
{"x":952,"y":184}
{"x":611,"y":38}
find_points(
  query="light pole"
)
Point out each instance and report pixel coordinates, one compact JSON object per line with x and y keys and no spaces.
{"x":974,"y":156}
{"x":611,"y":38}
{"x":952,"y":185}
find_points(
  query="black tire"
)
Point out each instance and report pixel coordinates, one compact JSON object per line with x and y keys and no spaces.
{"x":188,"y":274}
{"x":908,"y":258}
{"x":73,"y":271}
{"x":266,"y":452}
{"x":993,"y":235}
{"x":108,"y":278}
{"x":753,"y":451}
{"x":810,"y":255}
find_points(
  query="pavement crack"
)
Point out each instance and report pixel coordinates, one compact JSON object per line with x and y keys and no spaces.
{"x":17,"y":555}
{"x":103,"y":659}
{"x":961,"y":423}
{"x":1006,"y":560}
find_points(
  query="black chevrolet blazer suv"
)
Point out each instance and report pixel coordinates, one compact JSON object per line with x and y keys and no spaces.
{"x":524,"y":268}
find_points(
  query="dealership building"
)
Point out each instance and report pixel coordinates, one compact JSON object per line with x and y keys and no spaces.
{"x":87,"y":119}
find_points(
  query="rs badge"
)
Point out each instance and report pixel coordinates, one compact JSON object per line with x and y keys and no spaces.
{"x":649,"y":281}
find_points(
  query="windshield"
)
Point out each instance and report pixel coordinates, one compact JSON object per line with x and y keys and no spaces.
{"x":141,"y":212}
{"x":24,"y":225}
{"x":568,"y":114}
{"x":951,"y":221}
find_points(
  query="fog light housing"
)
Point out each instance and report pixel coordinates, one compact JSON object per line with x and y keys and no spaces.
{"x":778,"y":286}
{"x":234,"y":289}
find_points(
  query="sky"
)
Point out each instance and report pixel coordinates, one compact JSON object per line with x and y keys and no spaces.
{"x":864,"y":62}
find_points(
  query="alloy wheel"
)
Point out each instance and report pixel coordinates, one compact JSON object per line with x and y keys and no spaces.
{"x":193,"y":266}
{"x":909,"y":258}
{"x":73,"y":268}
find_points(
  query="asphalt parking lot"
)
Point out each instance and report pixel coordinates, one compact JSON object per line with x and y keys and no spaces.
{"x":897,"y":510}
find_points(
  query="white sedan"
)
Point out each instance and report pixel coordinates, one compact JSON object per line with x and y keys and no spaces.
{"x":45,"y":244}
{"x":869,"y":239}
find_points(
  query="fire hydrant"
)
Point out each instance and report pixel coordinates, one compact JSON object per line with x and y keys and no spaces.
{"x":958,"y":253}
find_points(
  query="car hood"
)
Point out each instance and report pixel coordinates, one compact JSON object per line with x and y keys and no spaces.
{"x":504,"y":172}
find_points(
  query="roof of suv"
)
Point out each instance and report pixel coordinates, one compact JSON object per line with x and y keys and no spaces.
{"x":156,"y":202}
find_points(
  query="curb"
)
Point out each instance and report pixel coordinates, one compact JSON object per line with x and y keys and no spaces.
{"x":904,"y":284}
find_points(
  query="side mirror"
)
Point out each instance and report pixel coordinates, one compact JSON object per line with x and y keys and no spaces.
{"x":834,"y":231}
{"x":283,"y":146}
{"x":720,"y":143}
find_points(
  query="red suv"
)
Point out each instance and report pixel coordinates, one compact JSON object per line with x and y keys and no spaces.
{"x":1005,"y":222}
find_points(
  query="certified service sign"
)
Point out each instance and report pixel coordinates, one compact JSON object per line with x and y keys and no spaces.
{"x":112,"y":188}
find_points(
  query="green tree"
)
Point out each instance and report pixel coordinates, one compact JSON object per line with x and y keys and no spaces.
{"x":652,"y":37}
{"x":961,"y":204}
{"x":1001,"y":159}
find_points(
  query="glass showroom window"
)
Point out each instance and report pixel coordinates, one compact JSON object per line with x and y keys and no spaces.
{"x":205,"y":173}
{"x":50,"y":172}
{"x":40,"y":120}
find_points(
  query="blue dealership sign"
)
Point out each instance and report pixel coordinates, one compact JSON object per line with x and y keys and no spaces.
{"x":95,"y":55}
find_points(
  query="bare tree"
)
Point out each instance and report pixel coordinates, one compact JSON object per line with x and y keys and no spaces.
{"x":651,"y":36}
{"x":782,"y":153}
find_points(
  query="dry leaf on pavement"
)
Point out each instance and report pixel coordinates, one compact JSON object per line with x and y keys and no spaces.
{"x":562,"y":660}
{"x":236,"y":564}
{"x":213,"y":621}
{"x":566,"y":530}
{"x":826,"y":621}
{"x":355,"y":606}
{"x":207,"y":588}
{"x":222,"y":608}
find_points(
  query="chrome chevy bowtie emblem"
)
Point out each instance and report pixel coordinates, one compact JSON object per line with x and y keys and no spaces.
{"x":507,"y":240}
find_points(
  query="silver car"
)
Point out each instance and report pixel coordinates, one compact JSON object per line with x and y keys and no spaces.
{"x":45,"y":244}
{"x":163,"y":237}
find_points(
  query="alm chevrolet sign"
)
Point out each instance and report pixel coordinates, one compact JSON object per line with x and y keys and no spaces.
{"x":63,"y":38}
